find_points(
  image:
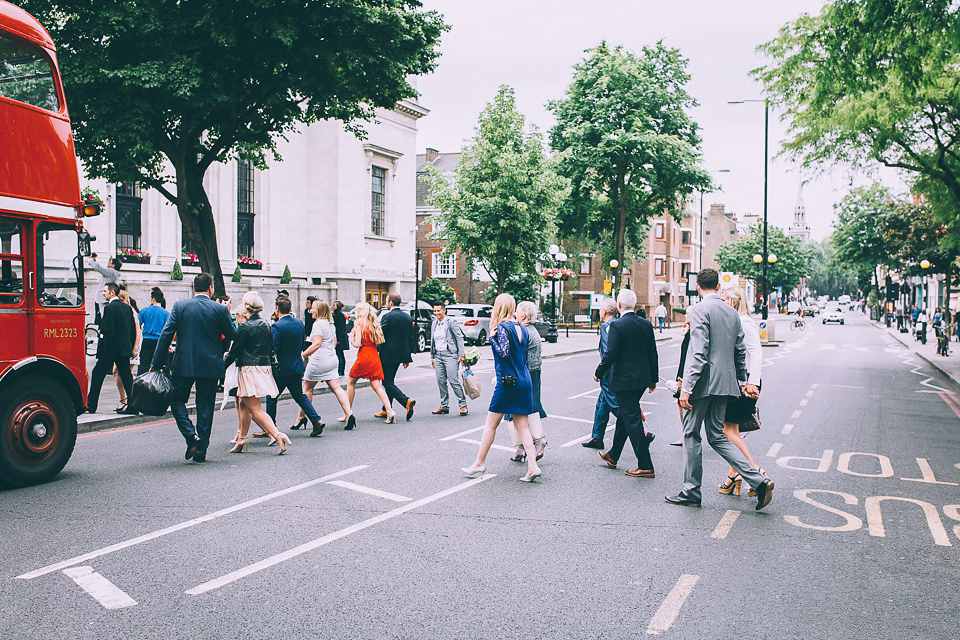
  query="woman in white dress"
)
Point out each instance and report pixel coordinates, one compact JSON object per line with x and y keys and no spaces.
{"x":322,"y":363}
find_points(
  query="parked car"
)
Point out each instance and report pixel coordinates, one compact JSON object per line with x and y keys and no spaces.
{"x":349,"y":315}
{"x":422,"y":319}
{"x":833,"y":315}
{"x":546,"y":328}
{"x":474,"y":320}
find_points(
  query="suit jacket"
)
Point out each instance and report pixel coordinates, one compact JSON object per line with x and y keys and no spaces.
{"x":397,"y":330}
{"x":605,"y":341}
{"x":288,"y":344}
{"x":118,"y":332}
{"x":716,"y":357}
{"x":454,"y":339}
{"x":340,"y":328}
{"x":632,"y":353}
{"x":198,"y":323}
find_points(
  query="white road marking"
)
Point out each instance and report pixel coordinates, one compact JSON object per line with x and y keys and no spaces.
{"x":787,"y":428}
{"x":330,"y":537}
{"x":670,"y":609}
{"x":183,"y":525}
{"x":774,"y":449}
{"x":102,"y":590}
{"x":803,"y":402}
{"x":373,"y":492}
{"x":462,"y":433}
{"x":571,"y":419}
{"x":725,"y":524}
{"x":844,"y":386}
{"x":927,"y":474}
{"x":493,"y":446}
{"x":809,"y":394}
{"x":815,"y":385}
{"x":585,"y":393}
{"x":577,"y":440}
{"x":796,"y":414}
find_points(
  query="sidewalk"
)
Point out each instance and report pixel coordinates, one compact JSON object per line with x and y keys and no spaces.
{"x":949,"y":366}
{"x":580,"y":341}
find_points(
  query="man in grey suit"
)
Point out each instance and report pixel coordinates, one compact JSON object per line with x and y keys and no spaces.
{"x":446,"y":354}
{"x":716,"y":363}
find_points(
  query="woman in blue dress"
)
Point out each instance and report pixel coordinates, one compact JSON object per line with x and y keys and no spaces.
{"x":514,"y":392}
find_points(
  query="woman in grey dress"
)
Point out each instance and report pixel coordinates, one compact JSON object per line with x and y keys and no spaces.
{"x":321,"y":360}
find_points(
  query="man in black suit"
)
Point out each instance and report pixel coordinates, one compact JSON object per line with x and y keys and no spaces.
{"x":397,"y":333}
{"x":118,"y":333}
{"x":343,"y":340}
{"x":198,"y":323}
{"x":632,"y":352}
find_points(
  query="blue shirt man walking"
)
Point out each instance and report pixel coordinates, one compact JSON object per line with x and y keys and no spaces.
{"x":288,"y":345}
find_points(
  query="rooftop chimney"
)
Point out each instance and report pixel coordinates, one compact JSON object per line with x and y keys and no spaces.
{"x":432,"y":154}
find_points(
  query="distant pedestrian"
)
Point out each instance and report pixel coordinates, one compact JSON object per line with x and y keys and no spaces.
{"x":135,"y":360}
{"x":343,"y":340}
{"x":251,"y":352}
{"x":200,"y":324}
{"x":118,"y":332}
{"x":513,"y":393}
{"x":661,"y":314}
{"x":108,"y":274}
{"x":152,"y":319}
{"x":308,"y":321}
{"x":367,"y":334}
{"x":322,"y":361}
{"x":921,"y":329}
{"x":632,"y":355}
{"x":525,"y":315}
{"x":447,"y":352}
{"x":607,"y":400}
{"x":716,"y":360}
{"x":395,"y":351}
{"x":287,"y":342}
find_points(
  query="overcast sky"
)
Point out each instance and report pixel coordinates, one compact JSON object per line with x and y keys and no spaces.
{"x":532,"y":46}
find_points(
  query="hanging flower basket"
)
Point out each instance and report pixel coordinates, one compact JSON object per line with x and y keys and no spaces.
{"x":249,"y":263}
{"x":132,"y":256}
{"x":190,"y":260}
{"x":553,"y":274}
{"x":91,"y":196}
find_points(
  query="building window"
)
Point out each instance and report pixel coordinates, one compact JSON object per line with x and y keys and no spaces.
{"x":128,"y":216}
{"x":378,"y":201}
{"x":444,"y":266}
{"x":684,"y":270}
{"x":658,"y":266}
{"x":585,"y":265}
{"x":659,"y":231}
{"x":244,"y":208}
{"x":685,"y":237}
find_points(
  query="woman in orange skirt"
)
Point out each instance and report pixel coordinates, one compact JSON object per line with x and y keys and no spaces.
{"x":366,"y":335}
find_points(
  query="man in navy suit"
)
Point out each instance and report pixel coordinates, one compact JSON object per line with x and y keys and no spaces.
{"x":632,"y":352}
{"x":115,"y":347}
{"x":397,"y":331}
{"x":199,"y":323}
{"x":287,"y":344}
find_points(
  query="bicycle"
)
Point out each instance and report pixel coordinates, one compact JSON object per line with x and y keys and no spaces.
{"x":798,"y":325}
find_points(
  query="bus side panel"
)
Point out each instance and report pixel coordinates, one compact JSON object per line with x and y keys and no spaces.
{"x":37,"y":160}
{"x":59,"y":334}
{"x":13,"y":343}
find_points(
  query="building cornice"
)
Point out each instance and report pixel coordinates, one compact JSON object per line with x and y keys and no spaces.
{"x":411,"y":109}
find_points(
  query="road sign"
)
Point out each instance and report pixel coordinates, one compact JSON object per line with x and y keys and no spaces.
{"x":596,"y":299}
{"x":763,"y":329}
{"x":607,"y":286}
{"x":727,"y":280}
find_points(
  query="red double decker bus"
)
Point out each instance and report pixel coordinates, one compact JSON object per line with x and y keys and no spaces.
{"x":43,"y":377}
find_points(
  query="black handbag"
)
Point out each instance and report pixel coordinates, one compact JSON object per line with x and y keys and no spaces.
{"x":275,"y":365}
{"x":752,"y":424}
{"x":509,"y":381}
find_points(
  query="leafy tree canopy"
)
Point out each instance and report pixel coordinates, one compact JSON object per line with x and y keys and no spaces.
{"x":155,"y":85}
{"x":627,"y":145}
{"x":857,"y":234}
{"x":434,"y":290}
{"x":826,"y":275}
{"x":522,"y":287}
{"x":792,"y":256}
{"x":500,"y":207}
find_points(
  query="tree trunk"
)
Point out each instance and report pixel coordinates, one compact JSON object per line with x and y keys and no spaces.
{"x":196,"y":215}
{"x":621,"y":232}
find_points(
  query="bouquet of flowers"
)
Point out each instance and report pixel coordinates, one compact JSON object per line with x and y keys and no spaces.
{"x":244,"y":260}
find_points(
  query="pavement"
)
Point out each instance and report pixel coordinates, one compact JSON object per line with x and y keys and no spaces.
{"x":947,"y":365}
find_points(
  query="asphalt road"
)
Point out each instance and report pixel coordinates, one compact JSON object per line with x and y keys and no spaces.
{"x":374,"y":533}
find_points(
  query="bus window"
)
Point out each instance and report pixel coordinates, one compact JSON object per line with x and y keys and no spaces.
{"x":59,"y":272}
{"x":11,"y":263}
{"x":26,"y":76}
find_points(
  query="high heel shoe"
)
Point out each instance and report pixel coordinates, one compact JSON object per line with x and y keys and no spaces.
{"x":539,"y":444}
{"x":520,"y":455}
{"x":471,"y":473}
{"x":240,"y":447}
{"x":392,"y":418}
{"x":530,"y":477}
{"x":282,"y":441}
{"x":301,"y":423}
{"x":351,"y":422}
{"x":732,"y":485}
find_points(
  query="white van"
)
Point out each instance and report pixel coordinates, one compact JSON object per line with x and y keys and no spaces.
{"x":844,"y":299}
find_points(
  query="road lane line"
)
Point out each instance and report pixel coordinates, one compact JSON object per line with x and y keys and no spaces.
{"x":102,"y":590}
{"x":814,"y":386}
{"x":809,"y":394}
{"x":183,"y":525}
{"x":774,"y":449}
{"x":725,"y":524}
{"x":266,"y":563}
{"x":803,"y":402}
{"x":843,"y":386}
{"x":585,"y":393}
{"x":577,"y":440}
{"x":493,"y":446}
{"x":670,"y":609}
{"x":373,"y":492}
{"x":108,"y":432}
{"x":787,"y":428}
{"x":462,"y":433}
{"x":950,"y":403}
{"x":796,"y":414}
{"x":570,"y":419}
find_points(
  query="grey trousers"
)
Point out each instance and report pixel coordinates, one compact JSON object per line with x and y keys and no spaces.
{"x":448,"y":370}
{"x":710,"y":412}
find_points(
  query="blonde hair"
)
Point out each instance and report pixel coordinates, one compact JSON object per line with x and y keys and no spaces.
{"x":124,"y":297}
{"x":503,"y":308}
{"x":321,"y":311}
{"x":735,"y":299}
{"x":367,"y":322}
{"x":253,"y":302}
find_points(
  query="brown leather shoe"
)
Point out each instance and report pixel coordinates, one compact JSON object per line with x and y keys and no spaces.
{"x":441,"y":411}
{"x":606,"y":458}
{"x":640,"y":473}
{"x":463,"y":411}
{"x":410,"y":404}
{"x":380,"y":414}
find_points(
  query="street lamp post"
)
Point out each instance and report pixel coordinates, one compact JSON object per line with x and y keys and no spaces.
{"x":558,"y":257}
{"x":771,"y":260}
{"x":925,"y":264}
{"x":766,"y":171}
{"x":613,"y":277}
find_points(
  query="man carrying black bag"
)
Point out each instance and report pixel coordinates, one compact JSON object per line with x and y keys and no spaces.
{"x":151,"y":393}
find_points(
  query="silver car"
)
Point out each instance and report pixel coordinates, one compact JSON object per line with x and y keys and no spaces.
{"x":474,"y":320}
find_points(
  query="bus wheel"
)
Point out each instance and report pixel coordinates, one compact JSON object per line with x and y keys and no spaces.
{"x":38,"y":430}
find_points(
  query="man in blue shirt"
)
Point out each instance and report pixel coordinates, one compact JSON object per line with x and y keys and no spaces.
{"x":152,"y":320}
{"x":288,"y":345}
{"x":606,"y":401}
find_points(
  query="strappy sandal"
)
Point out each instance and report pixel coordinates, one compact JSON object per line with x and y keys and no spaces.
{"x":732,"y":485}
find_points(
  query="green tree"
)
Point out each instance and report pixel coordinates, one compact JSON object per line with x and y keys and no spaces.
{"x":287,"y":277}
{"x":237,"y":275}
{"x":792,"y":257}
{"x":523,"y":286}
{"x":434,"y":290}
{"x":500,"y":207}
{"x":161,"y":90}
{"x":627,"y":145}
{"x":826,"y":276}
{"x":872,"y":81}
{"x":177,"y":273}
{"x":858,"y":235}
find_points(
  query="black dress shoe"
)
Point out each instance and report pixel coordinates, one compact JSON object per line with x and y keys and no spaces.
{"x":318,"y":429}
{"x":682,"y":501}
{"x":678,"y":443}
{"x":191,"y":448}
{"x":764,"y":493}
{"x":199,"y":458}
{"x":592,"y":443}
{"x":650,"y":436}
